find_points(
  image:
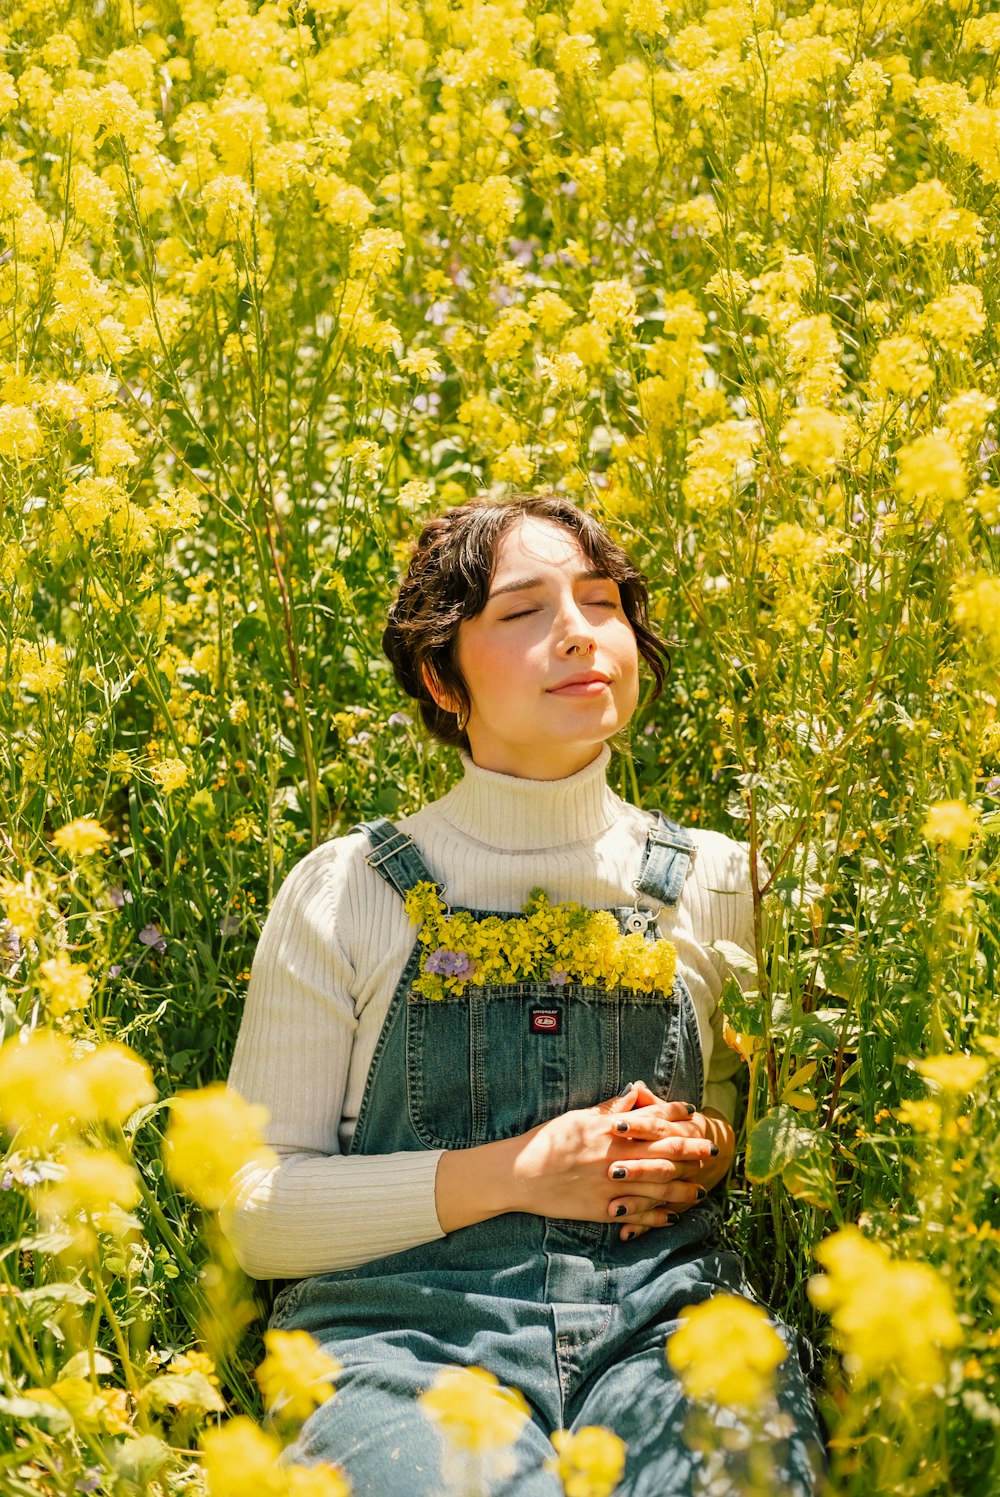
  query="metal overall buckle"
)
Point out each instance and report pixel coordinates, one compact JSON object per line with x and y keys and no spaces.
{"x":638,"y":920}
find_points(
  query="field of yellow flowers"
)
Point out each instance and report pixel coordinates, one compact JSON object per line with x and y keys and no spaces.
{"x":276,"y":281}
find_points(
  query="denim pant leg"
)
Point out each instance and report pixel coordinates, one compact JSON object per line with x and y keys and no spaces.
{"x":640,"y":1398}
{"x":375,"y":1429}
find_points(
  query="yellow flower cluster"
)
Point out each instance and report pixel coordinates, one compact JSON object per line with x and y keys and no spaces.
{"x":295,"y":1376}
{"x":553,"y":943}
{"x":591,"y":1461}
{"x":212,"y":1134}
{"x":891,"y":1318}
{"x":727,"y":1350}
{"x":242,"y":1460}
{"x":473,"y":1411}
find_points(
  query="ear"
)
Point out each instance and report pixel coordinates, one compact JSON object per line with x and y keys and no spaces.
{"x":435,"y":690}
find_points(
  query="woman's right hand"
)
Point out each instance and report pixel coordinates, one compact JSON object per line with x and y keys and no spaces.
{"x":563,"y":1168}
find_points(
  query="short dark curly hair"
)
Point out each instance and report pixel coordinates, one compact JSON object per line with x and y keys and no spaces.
{"x":448,"y":581}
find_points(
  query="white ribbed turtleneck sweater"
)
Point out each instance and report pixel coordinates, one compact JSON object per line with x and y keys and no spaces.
{"x":328,"y":961}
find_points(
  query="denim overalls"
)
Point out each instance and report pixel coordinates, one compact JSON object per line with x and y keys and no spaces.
{"x":565,"y":1311}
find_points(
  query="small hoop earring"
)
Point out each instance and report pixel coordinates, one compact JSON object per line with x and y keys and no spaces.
{"x":462,"y":719}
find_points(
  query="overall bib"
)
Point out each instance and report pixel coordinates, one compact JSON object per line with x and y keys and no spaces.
{"x":565,"y":1311}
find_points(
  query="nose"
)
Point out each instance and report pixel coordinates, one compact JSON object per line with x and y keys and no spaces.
{"x":575,"y":633}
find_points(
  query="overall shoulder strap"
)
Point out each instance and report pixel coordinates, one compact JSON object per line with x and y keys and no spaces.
{"x":394,"y":856}
{"x":665,"y":861}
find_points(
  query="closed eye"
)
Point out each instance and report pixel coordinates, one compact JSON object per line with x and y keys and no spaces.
{"x":524,"y":613}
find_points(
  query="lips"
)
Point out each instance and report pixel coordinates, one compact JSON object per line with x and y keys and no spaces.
{"x":588,"y":683}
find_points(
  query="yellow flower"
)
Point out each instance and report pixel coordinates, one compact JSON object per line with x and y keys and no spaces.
{"x":950,"y":821}
{"x":95,"y":1180}
{"x":922,"y":1117}
{"x":976,"y":607}
{"x":813,"y":438}
{"x":591,"y":1461}
{"x":473,"y":1411}
{"x":66,"y":984}
{"x":41,"y":1086}
{"x":239,"y":712}
{"x":117,"y":1081}
{"x":321,"y":1480}
{"x":22,"y":903}
{"x":727,"y":1350}
{"x":81,"y":838}
{"x":212,"y":1134}
{"x":240,"y":1460}
{"x":612,"y":305}
{"x":954,"y":1073}
{"x":295,"y":1376}
{"x":931,"y":468}
{"x":170,"y":775}
{"x":536,"y":89}
{"x":890,"y":1318}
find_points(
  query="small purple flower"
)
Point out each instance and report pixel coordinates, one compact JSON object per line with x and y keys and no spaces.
{"x":151,"y":935}
{"x":30,"y":1175}
{"x":115,"y":970}
{"x":558,"y":977}
{"x":993,"y":785}
{"x":118,"y":897}
{"x":90,"y":1480}
{"x":399,"y":720}
{"x":229,"y":925}
{"x":361,"y":737}
{"x":7,"y":1183}
{"x":10,"y":942}
{"x":444,"y":963}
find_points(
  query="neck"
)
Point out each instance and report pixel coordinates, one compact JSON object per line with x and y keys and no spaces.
{"x":516,"y":814}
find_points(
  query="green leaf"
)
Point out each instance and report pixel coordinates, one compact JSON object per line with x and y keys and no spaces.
{"x":775,"y":1141}
{"x":52,"y":1417}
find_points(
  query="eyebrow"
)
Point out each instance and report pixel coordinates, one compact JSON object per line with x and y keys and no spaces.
{"x":524,"y":583}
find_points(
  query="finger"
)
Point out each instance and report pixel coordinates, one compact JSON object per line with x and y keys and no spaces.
{"x":622,"y":1103}
{"x":654,"y":1122}
{"x":661,"y":1179}
{"x":677,"y":1197}
{"x":682,"y":1150}
{"x":652,"y":1216}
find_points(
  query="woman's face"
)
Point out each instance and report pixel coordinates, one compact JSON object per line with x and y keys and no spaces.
{"x":551,"y":663}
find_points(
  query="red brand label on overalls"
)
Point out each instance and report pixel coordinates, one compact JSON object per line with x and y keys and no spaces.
{"x":545,"y":1021}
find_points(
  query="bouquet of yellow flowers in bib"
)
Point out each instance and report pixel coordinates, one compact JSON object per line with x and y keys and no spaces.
{"x":553,"y":943}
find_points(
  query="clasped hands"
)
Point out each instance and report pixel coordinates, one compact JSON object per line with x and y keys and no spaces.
{"x":634,"y":1159}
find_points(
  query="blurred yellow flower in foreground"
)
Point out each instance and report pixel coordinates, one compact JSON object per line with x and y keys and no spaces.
{"x":726,"y":1349}
{"x":241,"y":1460}
{"x":95,"y":1181}
{"x":473,"y":1411}
{"x":591,"y":1461}
{"x":890,"y":1318}
{"x":211,"y":1135}
{"x":81,"y":838}
{"x":296,"y":1374}
{"x":44,"y":1084}
{"x":955,"y":1073}
{"x":950,"y":821}
{"x":22,"y":903}
{"x":117,"y":1081}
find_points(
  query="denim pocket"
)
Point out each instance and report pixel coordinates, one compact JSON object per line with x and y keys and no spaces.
{"x":497,"y":1061}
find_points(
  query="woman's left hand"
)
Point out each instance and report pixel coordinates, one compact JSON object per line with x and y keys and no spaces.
{"x":656,"y":1190}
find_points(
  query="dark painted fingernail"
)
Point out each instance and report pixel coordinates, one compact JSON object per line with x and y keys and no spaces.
{"x":621,"y":1211}
{"x":702,"y":1192}
{"x":672,"y":1218}
{"x":619,"y":1172}
{"x":691,"y":1109}
{"x":623,"y":1128}
{"x":627,"y":1234}
{"x":626,"y":1089}
{"x":715,"y":1150}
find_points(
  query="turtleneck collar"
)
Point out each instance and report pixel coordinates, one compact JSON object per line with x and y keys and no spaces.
{"x":516,"y":815}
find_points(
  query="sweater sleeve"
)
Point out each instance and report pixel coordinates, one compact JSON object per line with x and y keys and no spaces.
{"x":315,"y":1209}
{"x":736,"y":924}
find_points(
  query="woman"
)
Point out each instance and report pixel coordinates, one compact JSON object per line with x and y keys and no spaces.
{"x":513,"y":1175}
